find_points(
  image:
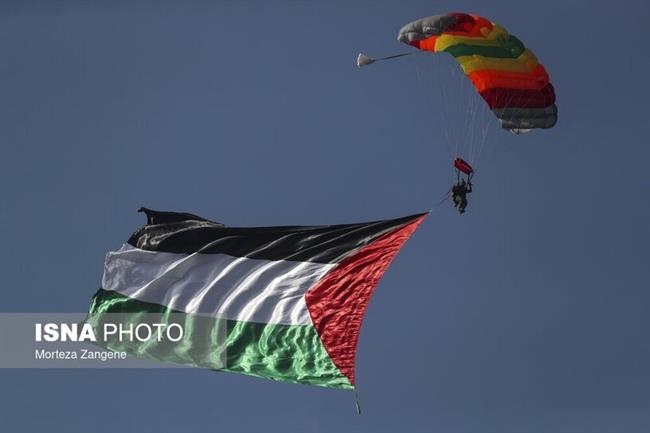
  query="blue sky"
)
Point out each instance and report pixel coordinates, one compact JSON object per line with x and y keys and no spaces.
{"x":528,"y":314}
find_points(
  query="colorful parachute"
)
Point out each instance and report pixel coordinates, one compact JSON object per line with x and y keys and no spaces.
{"x":506,"y":74}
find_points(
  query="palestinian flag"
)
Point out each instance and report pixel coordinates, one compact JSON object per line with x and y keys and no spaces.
{"x":282,"y":303}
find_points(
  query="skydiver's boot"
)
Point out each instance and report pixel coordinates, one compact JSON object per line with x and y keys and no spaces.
{"x":462,"y":206}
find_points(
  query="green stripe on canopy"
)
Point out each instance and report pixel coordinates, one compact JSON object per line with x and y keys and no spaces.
{"x":508,"y":49}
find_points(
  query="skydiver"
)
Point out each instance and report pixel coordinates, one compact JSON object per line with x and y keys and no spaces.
{"x":459,"y":194}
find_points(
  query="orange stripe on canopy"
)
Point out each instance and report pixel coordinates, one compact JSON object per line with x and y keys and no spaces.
{"x":428,"y":44}
{"x":489,"y":78}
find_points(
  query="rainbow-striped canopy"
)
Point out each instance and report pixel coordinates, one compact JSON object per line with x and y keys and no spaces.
{"x":506,"y":73}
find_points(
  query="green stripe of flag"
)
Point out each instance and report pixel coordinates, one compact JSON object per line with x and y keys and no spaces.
{"x":292,"y":353}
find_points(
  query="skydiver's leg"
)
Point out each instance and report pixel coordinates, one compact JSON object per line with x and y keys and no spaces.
{"x":463,"y":205}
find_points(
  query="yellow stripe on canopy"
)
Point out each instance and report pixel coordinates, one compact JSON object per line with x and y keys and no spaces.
{"x":492,"y":39}
{"x":527,"y":62}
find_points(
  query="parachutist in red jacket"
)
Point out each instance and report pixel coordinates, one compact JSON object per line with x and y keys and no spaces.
{"x":459,"y":194}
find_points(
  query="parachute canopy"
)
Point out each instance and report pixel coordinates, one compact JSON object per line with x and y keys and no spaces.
{"x":508,"y":76}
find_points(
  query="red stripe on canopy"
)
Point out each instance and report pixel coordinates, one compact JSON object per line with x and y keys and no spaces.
{"x":519,"y":98}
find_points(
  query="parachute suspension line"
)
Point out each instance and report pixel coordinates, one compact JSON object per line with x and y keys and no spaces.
{"x":444,"y":116}
{"x":471,"y":108}
{"x":437,"y":93}
{"x":483,"y":139}
{"x":483,"y":118}
{"x":449,"y":126}
{"x":435,"y":90}
{"x":423,"y":97}
{"x":468,"y":125}
{"x":443,"y":199}
{"x":464,"y":114}
{"x":484,"y":144}
{"x":464,"y":127}
{"x":447,"y":123}
{"x":466,"y":122}
{"x":453,"y":128}
{"x":478,"y":121}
